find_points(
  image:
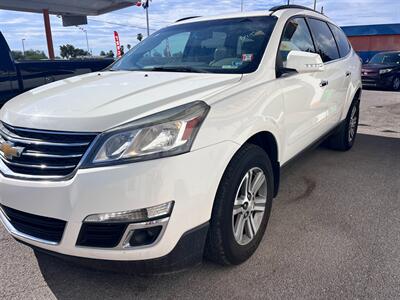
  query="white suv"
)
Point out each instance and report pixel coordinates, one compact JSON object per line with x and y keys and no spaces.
{"x":175,"y":151}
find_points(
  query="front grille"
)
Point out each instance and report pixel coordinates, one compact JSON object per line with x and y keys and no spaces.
{"x":101,"y":235}
{"x":44,"y":228}
{"x":369,"y":73}
{"x":370,"y":81}
{"x":45,"y":153}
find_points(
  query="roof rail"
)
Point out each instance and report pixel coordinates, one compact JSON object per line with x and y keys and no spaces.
{"x":187,"y":18}
{"x":280,"y":7}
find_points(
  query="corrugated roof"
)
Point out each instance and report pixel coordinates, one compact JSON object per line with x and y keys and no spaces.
{"x":364,"y":30}
{"x":67,"y":7}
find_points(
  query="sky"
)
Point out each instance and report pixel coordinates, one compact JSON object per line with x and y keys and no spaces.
{"x":16,"y":26}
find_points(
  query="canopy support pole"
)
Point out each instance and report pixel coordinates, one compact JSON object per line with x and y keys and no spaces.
{"x":49,"y":37}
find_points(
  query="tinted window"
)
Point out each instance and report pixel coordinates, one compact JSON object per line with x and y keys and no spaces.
{"x":220,"y":46}
{"x":341,"y":39}
{"x":386,"y":58}
{"x":171,"y":47}
{"x":324,"y":41}
{"x":296,"y":37}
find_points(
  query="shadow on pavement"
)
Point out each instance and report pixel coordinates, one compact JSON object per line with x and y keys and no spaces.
{"x":323,"y":239}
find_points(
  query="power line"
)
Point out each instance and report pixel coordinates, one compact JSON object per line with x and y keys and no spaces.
{"x":119,"y":24}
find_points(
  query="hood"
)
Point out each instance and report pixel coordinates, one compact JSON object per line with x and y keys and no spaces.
{"x":98,"y":101}
{"x":376,"y":67}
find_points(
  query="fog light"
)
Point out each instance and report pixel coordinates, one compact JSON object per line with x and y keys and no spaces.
{"x":144,"y":236}
{"x":131,"y":216}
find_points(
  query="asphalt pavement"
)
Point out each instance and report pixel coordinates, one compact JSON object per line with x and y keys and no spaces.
{"x":334,"y":233}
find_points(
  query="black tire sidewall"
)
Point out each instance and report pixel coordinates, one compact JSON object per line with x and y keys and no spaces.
{"x":394,"y":79}
{"x":356,"y":104}
{"x":255,"y":157}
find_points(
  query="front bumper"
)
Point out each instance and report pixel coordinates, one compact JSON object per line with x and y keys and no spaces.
{"x":190,"y":180}
{"x":379,"y":81}
{"x":187,"y":253}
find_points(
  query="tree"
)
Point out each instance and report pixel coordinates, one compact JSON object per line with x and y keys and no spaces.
{"x":110,"y":54}
{"x":68,"y":51}
{"x":80,"y":52}
{"x":107,"y":54}
{"x":139,"y":37}
{"x":17,"y":55}
{"x":29,"y":54}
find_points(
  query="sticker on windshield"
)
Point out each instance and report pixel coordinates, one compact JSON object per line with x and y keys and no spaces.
{"x":247,"y":57}
{"x":229,"y":67}
{"x":237,"y":63}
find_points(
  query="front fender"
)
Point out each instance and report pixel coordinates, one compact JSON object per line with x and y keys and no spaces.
{"x":239,"y":118}
{"x":354,"y":87}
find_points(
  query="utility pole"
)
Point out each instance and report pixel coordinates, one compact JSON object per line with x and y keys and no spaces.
{"x":315,"y":4}
{"x":241,"y":6}
{"x":23,"y":48}
{"x":147,"y":21}
{"x":87,"y":39}
{"x":145,"y":5}
{"x":288,"y":2}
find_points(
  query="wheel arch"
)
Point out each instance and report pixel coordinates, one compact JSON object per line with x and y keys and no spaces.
{"x":357,"y":94}
{"x":356,"y":97}
{"x":350,"y":100}
{"x":267,"y":141}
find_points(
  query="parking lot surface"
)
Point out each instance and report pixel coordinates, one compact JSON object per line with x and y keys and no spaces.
{"x":334,"y":233}
{"x":380,"y":113}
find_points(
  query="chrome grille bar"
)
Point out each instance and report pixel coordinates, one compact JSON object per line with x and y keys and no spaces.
{"x":15,"y":139}
{"x":46,"y":154}
{"x":42,"y":167}
{"x":40,"y":154}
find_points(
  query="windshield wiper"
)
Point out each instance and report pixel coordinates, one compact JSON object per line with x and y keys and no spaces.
{"x":177,"y":69}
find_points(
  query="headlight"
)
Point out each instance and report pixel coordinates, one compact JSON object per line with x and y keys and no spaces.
{"x":384,"y":71}
{"x":167,"y":133}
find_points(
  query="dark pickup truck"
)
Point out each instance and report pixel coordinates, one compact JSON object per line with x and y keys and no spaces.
{"x":17,"y":77}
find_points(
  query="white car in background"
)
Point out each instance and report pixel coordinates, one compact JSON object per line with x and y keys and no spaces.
{"x":175,"y":151}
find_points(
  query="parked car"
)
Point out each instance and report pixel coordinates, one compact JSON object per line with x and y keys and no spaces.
{"x":175,"y":152}
{"x":17,"y":77}
{"x":382,"y":71}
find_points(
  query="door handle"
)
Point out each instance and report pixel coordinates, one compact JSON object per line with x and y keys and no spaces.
{"x":323,"y":83}
{"x":348,"y":73}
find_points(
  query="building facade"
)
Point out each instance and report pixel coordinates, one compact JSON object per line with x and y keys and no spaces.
{"x":368,"y":40}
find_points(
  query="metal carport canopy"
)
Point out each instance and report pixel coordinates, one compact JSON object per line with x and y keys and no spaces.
{"x":64,"y":8}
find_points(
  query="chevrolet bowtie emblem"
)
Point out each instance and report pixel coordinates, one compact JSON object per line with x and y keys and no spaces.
{"x":9,"y":151}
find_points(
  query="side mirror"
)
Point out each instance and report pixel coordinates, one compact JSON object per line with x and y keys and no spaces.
{"x":304,"y":62}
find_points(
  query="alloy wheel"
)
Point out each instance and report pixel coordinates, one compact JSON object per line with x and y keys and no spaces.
{"x":353,"y":124}
{"x":396,"y":83}
{"x":249,"y":206}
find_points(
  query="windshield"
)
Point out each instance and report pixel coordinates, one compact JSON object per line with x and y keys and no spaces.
{"x":386,"y":59}
{"x":219,"y":46}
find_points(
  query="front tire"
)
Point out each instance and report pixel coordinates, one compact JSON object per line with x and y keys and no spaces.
{"x":242,"y":207}
{"x":396,"y":83}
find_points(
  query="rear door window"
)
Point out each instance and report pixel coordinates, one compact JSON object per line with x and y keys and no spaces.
{"x":324,"y":40}
{"x":295,"y":37}
{"x":341,"y":39}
